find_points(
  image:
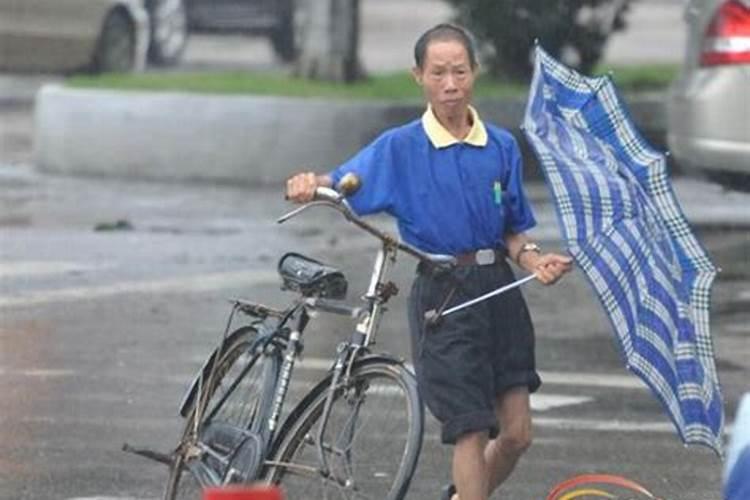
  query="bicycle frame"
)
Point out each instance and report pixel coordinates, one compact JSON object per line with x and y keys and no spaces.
{"x":289,"y":341}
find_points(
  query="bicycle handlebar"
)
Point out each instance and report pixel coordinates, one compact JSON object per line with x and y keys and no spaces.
{"x":325,"y":196}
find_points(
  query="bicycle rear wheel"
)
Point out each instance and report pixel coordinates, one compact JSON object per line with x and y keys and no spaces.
{"x":238,"y":394}
{"x":371,"y":442}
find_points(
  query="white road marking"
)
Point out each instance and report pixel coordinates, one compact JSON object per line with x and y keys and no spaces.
{"x":11,"y":269}
{"x":183,"y":284}
{"x":609,"y":425}
{"x":592,"y":380}
{"x":581,"y":379}
{"x":39,"y":372}
{"x":546,"y":402}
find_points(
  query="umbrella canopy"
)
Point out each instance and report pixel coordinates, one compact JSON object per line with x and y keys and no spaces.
{"x":623,"y":226}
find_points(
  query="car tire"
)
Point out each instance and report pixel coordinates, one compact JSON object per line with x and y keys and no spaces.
{"x":115,"y":50}
{"x":169,"y":31}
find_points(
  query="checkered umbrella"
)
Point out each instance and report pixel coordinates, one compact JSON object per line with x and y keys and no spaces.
{"x":623,"y":226}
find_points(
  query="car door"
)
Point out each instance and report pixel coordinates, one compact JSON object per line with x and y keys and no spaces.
{"x":243,"y":15}
{"x":64,"y":32}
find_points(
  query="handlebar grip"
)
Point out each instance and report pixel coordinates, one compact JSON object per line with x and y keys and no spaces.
{"x":349,"y":184}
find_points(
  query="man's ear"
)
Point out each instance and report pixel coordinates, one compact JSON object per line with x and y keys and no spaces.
{"x":416,"y":72}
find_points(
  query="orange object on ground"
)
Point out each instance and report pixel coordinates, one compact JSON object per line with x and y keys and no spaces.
{"x":243,"y":493}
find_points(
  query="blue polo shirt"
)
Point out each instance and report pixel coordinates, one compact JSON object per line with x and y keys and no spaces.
{"x":448,"y":196}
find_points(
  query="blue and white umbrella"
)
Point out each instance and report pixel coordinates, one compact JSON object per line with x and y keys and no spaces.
{"x":623,"y":226}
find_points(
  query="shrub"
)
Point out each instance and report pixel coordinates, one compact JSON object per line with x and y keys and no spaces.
{"x":574,"y":31}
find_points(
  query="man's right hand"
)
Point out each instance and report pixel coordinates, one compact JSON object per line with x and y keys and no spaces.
{"x":300,"y":188}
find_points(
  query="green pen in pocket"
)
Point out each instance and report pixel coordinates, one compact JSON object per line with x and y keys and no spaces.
{"x":498,"y":190}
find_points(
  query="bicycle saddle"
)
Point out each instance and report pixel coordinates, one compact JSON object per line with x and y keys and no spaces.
{"x":311,"y":278}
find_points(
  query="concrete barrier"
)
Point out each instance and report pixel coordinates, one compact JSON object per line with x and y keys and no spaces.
{"x":232,"y":139}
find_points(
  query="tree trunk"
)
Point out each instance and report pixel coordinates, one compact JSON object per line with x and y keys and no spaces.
{"x":330,"y":41}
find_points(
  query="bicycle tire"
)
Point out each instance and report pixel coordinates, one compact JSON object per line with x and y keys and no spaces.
{"x":255,"y":377}
{"x":385,"y":477}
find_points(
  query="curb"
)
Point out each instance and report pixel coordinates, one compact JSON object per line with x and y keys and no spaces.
{"x":257,"y":140}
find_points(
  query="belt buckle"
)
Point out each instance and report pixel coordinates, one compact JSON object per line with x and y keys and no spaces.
{"x":485,"y":257}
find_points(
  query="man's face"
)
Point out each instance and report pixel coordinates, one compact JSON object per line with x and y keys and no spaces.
{"x":446,"y":77}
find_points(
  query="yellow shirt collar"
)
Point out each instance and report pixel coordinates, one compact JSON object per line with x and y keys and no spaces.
{"x":441,"y":138}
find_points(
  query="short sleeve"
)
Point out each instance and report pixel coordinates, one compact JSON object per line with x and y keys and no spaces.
{"x":375,"y":166}
{"x":518,"y":213}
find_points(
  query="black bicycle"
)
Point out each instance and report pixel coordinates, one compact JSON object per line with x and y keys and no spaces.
{"x":356,"y":434}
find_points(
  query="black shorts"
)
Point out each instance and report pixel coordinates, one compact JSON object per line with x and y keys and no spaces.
{"x":471,"y":356}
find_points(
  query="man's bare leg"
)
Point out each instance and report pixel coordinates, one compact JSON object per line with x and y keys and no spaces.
{"x":502,"y":453}
{"x":469,"y":468}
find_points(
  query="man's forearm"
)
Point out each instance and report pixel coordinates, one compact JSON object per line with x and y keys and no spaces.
{"x":515,"y":242}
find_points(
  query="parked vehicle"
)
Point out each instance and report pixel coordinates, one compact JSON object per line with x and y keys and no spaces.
{"x":709,"y":103}
{"x":272,"y":18}
{"x":68,"y":35}
{"x":91,"y":35}
{"x":169,"y":31}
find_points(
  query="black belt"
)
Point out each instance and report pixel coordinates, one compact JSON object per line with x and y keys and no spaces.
{"x":482,"y":257}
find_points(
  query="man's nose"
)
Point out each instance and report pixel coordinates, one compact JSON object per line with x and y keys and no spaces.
{"x":449,"y":84}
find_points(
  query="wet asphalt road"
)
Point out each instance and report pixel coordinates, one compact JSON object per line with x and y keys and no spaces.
{"x":101,"y":331}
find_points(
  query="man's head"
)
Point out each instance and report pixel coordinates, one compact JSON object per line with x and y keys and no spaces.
{"x":445,"y":67}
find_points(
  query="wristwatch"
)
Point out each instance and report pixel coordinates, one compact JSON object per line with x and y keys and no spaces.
{"x":527,"y":247}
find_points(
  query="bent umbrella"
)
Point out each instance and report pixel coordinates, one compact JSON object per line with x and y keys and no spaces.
{"x":623,"y":226}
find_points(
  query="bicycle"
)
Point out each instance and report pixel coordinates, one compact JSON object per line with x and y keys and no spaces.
{"x":232,"y":409}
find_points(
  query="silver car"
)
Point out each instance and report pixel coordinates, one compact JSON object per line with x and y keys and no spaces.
{"x":93,"y":35}
{"x":709,"y":103}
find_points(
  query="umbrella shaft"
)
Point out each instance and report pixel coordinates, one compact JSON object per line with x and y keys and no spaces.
{"x":486,"y":296}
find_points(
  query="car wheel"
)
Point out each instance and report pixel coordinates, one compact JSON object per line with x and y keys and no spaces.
{"x":115,"y":51}
{"x":169,"y":31}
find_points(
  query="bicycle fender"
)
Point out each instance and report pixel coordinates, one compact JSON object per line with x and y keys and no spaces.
{"x":186,"y":403}
{"x":383,"y":358}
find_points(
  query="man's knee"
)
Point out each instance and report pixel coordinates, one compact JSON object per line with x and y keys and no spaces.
{"x":475,"y":439}
{"x":516,"y":441}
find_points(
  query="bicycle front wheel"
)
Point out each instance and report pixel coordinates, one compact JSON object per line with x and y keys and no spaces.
{"x":371,"y":440}
{"x":235,"y":396}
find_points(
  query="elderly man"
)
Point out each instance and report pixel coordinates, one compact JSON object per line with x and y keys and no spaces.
{"x":454,"y":184}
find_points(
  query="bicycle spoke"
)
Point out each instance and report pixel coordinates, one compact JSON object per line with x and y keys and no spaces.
{"x":367,"y":438}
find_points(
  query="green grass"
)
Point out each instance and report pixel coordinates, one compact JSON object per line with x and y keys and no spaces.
{"x":641,"y":77}
{"x":396,"y":86}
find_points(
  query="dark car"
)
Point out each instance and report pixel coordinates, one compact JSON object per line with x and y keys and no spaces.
{"x":168,"y":30}
{"x":272,"y":18}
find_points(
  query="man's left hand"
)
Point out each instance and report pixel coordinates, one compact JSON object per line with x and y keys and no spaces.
{"x":549,"y":267}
